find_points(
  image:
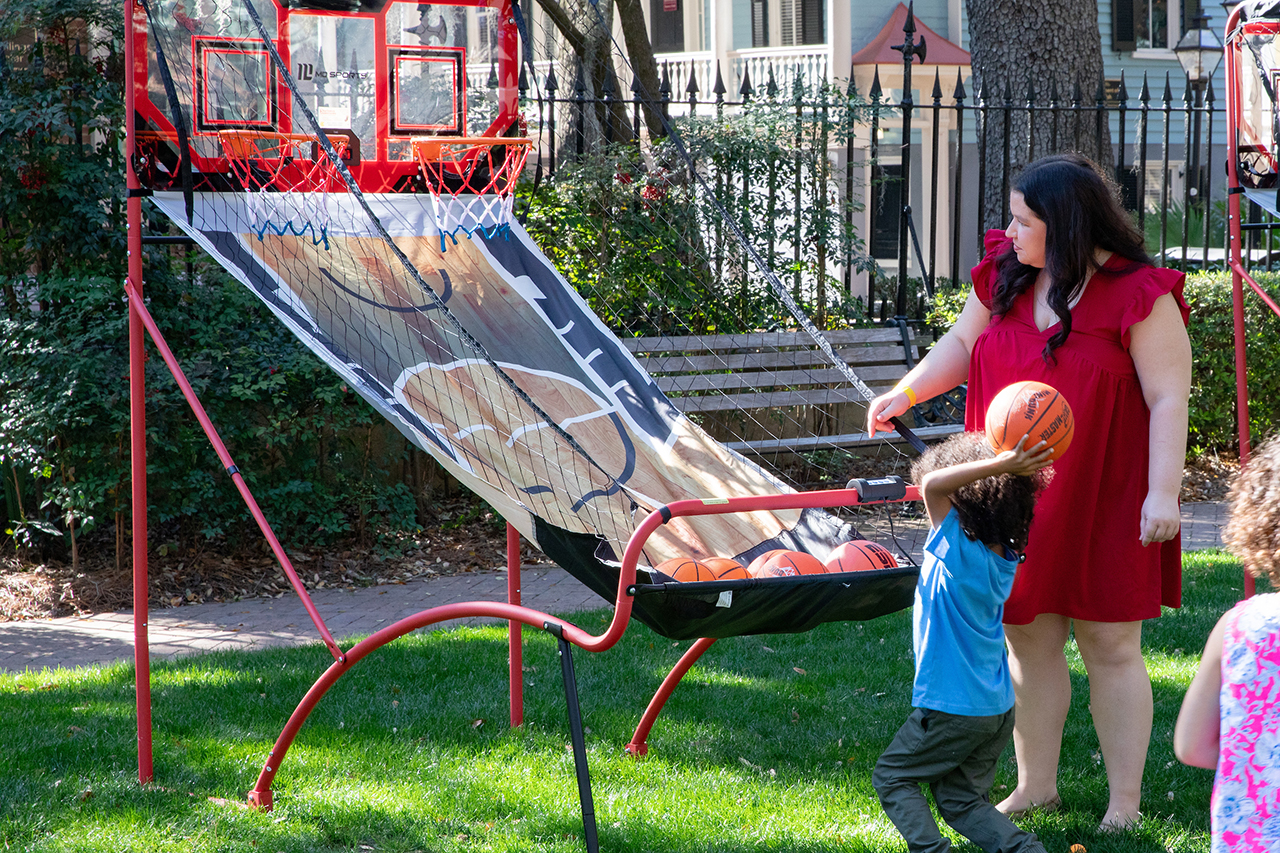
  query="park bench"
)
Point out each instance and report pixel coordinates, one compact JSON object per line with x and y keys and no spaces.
{"x":799,"y":400}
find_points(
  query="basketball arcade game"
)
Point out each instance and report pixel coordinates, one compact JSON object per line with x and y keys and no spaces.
{"x":1253,"y":162}
{"x":322,"y":155}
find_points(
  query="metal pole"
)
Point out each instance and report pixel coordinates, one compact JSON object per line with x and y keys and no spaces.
{"x":959,"y":96}
{"x":931,"y":274}
{"x":137,"y":407}
{"x":515,"y":656}
{"x":909,"y":50}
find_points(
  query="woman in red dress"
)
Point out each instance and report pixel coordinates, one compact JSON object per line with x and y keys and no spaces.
{"x":1067,"y":295}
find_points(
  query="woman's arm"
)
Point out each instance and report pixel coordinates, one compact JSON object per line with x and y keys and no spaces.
{"x":945,"y":367}
{"x":1161,"y":353}
{"x":1195,"y":737}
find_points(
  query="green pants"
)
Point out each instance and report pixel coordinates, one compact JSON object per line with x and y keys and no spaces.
{"x":956,"y":757}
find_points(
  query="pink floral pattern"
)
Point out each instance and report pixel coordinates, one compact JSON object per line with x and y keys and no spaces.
{"x":1246,"y":790}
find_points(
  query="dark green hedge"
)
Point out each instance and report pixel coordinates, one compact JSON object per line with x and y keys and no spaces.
{"x":1213,"y":381}
{"x":319,"y":460}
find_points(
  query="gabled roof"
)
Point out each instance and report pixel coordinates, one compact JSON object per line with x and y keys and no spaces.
{"x":938,"y":51}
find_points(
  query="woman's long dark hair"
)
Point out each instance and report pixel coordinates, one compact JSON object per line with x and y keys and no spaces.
{"x":1081,"y":213}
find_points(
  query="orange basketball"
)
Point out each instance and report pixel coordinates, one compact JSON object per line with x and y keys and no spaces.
{"x":860,"y":556}
{"x":783,"y":563}
{"x":725,"y":568}
{"x":686,"y":570}
{"x":1030,"y":408}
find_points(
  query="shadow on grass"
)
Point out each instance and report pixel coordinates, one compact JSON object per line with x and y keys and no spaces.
{"x":767,"y":745}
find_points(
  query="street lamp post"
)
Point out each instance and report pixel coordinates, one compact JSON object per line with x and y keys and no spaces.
{"x":1199,"y":51}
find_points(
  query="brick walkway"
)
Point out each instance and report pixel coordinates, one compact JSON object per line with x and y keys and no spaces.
{"x":259,"y":623}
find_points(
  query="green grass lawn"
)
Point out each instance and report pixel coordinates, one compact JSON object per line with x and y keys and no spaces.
{"x":768,"y":745}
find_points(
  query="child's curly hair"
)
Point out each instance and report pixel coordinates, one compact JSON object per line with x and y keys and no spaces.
{"x":993,"y":510}
{"x":1253,"y":524}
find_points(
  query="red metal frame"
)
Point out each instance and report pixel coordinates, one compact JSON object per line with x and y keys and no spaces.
{"x":375,"y":172}
{"x":378,"y":173}
{"x":137,"y":408}
{"x":1239,"y":274}
{"x":518,"y":615}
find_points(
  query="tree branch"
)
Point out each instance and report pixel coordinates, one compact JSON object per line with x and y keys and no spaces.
{"x":576,"y":38}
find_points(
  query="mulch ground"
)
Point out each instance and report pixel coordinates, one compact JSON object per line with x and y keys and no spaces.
{"x":464,"y":541}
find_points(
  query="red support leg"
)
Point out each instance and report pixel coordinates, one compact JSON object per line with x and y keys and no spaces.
{"x":137,"y":426}
{"x":638,"y":745}
{"x":515,"y":655}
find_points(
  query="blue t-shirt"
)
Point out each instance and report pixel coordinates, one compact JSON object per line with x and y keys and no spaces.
{"x":961,"y":663}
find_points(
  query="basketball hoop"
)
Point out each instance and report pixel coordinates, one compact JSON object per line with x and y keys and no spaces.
{"x":471,"y":180}
{"x":267,"y":161}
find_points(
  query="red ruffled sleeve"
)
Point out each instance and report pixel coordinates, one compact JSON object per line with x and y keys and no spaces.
{"x":1150,"y":283}
{"x":984,"y":275}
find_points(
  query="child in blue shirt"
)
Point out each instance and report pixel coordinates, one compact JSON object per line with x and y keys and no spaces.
{"x":980,"y":506}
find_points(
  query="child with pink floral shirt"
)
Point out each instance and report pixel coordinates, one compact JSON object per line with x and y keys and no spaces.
{"x":1230,"y":718}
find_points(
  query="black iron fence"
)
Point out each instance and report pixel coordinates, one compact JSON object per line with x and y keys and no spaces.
{"x":919,"y":180}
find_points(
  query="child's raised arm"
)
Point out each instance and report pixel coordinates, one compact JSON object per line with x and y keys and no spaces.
{"x":937,"y":487}
{"x":1195,"y":737}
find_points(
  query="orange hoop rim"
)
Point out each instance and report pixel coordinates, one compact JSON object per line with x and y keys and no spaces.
{"x":256,"y":168}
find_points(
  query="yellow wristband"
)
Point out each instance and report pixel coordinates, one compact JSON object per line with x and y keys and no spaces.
{"x":911,"y":395}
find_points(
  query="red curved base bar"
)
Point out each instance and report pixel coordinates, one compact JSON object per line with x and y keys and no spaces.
{"x":517,"y":615}
{"x":260,"y":795}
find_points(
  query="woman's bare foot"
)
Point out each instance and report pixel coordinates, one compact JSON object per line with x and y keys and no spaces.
{"x":1118,"y":822}
{"x":1018,"y":804}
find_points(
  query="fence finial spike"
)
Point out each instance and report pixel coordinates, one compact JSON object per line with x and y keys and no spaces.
{"x":1187,"y":96}
{"x":909,"y":26}
{"x":1008,"y":92}
{"x":876,"y":91}
{"x":1031,"y":92}
{"x":1101,"y":94}
{"x":1208,"y":93}
{"x":959,"y":93}
{"x":1122,"y":93}
{"x":664,"y":88}
{"x":691,"y":88}
{"x":719,"y":88}
{"x":937,"y":84}
{"x":1054,"y":94}
{"x":745,"y":90}
{"x":1145,"y":95}
{"x":771,"y":88}
{"x":1168,"y":89}
{"x":1077,"y":94}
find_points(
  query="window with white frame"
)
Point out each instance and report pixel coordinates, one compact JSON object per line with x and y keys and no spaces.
{"x":788,"y":23}
{"x":1149,"y":24}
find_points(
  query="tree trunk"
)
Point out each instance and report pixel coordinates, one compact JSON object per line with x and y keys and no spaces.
{"x":591,"y":40}
{"x":640,"y":50}
{"x":1030,"y":51}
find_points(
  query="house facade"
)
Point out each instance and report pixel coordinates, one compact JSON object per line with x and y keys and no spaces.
{"x":833,"y":40}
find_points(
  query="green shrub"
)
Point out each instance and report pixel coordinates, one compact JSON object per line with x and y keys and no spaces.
{"x":1213,"y":381}
{"x":319,"y":460}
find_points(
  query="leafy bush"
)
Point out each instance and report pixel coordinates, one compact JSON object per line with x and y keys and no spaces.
{"x":61,"y":107}
{"x":633,"y":231}
{"x":1213,"y":388}
{"x":319,"y":460}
